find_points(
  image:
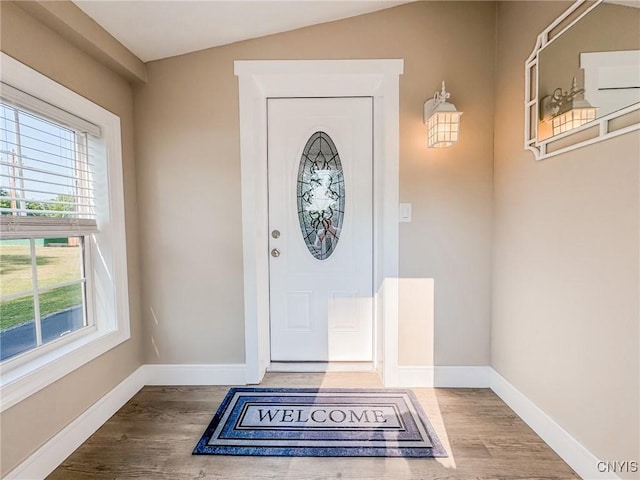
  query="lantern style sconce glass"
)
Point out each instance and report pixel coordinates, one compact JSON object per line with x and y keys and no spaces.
{"x":566,"y":110}
{"x":442,"y":120}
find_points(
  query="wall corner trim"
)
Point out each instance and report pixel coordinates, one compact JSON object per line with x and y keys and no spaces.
{"x":44,"y":460}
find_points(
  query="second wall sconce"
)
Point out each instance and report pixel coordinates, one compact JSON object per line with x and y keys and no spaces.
{"x":442,"y":120}
{"x":566,"y":110}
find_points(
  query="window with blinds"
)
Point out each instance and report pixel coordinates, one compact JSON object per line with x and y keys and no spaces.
{"x":46,"y":179}
{"x":47,"y":199}
{"x":64,"y":297}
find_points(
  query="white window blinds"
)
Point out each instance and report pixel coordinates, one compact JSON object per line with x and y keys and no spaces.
{"x":46,"y":175}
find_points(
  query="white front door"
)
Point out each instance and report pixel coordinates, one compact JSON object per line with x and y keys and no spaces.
{"x":320,"y":170}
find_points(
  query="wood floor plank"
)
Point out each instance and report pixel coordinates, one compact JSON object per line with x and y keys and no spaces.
{"x":153,"y":435}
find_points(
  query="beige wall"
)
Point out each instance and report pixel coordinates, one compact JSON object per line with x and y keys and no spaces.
{"x":565,"y":263}
{"x":29,"y":424}
{"x":188,"y":166}
{"x":565,"y":294}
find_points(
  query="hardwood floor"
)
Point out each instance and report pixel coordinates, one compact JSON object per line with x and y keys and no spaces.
{"x":153,"y":435}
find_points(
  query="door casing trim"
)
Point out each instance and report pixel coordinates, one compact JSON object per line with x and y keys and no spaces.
{"x":262,"y":79}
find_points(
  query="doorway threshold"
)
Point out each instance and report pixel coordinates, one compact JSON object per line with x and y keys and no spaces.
{"x":302,"y":367}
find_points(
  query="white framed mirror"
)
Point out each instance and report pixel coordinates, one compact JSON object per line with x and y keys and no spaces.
{"x":582,"y":80}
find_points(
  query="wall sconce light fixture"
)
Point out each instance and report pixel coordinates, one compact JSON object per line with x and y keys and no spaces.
{"x":442,"y":120}
{"x":566,"y":110}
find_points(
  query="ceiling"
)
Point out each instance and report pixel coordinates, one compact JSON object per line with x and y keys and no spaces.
{"x":154,"y":29}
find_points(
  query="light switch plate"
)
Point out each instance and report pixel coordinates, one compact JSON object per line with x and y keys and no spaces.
{"x":405,"y":212}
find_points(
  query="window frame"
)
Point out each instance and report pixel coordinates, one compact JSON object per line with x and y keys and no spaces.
{"x":107,"y":282}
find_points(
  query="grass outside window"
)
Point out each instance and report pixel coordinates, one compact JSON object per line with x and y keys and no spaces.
{"x":55,"y":265}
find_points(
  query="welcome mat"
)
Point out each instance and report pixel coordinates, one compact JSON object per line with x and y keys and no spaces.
{"x":320,"y":423}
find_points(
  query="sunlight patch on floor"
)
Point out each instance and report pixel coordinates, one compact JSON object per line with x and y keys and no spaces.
{"x":426,"y":396}
{"x":429,"y":401}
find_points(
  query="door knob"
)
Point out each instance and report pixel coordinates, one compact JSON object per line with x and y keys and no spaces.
{"x":275,"y":252}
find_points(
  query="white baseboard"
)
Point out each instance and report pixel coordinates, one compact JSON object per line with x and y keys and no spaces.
{"x":44,"y":460}
{"x":462,"y":377}
{"x":568,"y":448}
{"x":195,"y":374}
{"x":415,"y":376}
{"x":452,"y":377}
{"x":51,"y":454}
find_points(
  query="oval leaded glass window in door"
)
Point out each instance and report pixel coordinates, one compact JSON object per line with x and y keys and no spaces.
{"x":320,"y":195}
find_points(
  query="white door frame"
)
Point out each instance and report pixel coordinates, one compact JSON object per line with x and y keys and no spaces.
{"x":262,"y":79}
